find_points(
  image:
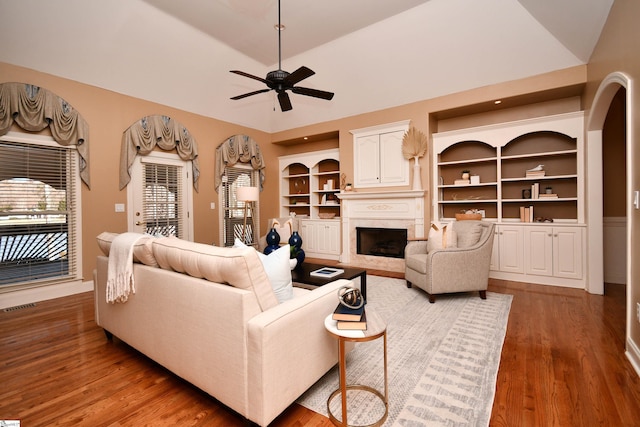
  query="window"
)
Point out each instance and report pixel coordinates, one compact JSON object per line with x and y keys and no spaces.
{"x":160,"y":196}
{"x":39,"y":212}
{"x":232,"y":212}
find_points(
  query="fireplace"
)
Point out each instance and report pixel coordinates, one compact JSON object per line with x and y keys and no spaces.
{"x":399,"y":210}
{"x":384,"y":242}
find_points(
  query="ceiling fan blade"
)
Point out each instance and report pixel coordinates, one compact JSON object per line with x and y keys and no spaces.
{"x":285,"y":102}
{"x":299,"y":75}
{"x":255,"y":92}
{"x":251,"y":76}
{"x":312,"y":92}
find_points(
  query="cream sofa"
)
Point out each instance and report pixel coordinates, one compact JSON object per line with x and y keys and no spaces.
{"x":208,"y":314}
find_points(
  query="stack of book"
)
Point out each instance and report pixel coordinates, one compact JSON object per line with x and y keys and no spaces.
{"x":350,"y":318}
{"x":548,"y":196}
{"x":534,"y":173}
{"x":461,"y":182}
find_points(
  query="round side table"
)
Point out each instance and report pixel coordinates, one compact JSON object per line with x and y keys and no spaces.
{"x":376,"y":328}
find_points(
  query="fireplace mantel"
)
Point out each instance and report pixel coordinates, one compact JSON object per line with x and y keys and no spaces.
{"x":369,"y":195}
{"x":391,"y":209}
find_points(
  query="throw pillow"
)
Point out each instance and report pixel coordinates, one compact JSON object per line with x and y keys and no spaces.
{"x":468,"y":233}
{"x":278,"y":269}
{"x":284,"y":229}
{"x":441,"y":236}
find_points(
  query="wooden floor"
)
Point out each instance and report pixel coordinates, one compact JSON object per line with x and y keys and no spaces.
{"x":562,"y":364}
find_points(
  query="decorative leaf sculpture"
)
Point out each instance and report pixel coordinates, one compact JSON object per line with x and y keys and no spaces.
{"x":414,"y":143}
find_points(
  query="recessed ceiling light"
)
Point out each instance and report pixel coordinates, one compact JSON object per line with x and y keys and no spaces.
{"x":497,"y":102}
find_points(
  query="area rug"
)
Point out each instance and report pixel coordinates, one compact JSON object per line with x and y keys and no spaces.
{"x":443,"y":359}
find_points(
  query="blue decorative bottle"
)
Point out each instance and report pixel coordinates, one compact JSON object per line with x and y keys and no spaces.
{"x":295,"y":240}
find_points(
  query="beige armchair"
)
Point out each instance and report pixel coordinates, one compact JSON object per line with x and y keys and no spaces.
{"x":462,"y":268}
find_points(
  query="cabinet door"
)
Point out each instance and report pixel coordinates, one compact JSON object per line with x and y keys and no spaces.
{"x":511,"y":249}
{"x":367,"y":161}
{"x":393,"y":166}
{"x":567,"y":252}
{"x":329,"y":237}
{"x":495,"y":252}
{"x":538,"y":251}
{"x":309,"y":236}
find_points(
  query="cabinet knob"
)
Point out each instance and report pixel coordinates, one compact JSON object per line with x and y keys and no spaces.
{"x":549,"y":234}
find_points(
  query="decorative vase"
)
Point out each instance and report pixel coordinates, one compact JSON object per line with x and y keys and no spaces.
{"x":417,"y":182}
{"x":270,"y":249}
{"x":273,"y":238}
{"x":465,"y":175}
{"x":295,"y":240}
{"x":300,"y":256}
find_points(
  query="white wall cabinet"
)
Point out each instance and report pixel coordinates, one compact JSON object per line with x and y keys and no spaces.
{"x":321,"y":238}
{"x":377,"y":154}
{"x":510,"y":249}
{"x":554,"y":251}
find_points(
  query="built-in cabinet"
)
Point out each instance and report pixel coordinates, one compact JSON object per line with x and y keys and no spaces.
{"x":377,"y":154}
{"x":539,"y":215}
{"x":309,"y":184}
{"x":321,"y":238}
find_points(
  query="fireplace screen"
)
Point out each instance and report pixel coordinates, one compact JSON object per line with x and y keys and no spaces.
{"x":386,"y":242}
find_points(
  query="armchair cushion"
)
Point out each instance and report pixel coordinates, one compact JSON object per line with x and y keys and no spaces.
{"x":468,"y":233}
{"x":441,"y":236}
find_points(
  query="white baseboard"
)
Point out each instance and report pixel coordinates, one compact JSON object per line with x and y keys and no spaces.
{"x":43,"y":293}
{"x":633,"y":354}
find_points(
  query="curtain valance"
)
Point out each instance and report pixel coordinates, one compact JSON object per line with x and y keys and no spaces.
{"x":34,"y":109}
{"x":238,"y":148}
{"x":142,"y":137}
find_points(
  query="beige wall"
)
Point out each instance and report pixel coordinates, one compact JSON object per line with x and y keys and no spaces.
{"x":109,"y":114}
{"x":617,"y":51}
{"x":614,"y":158}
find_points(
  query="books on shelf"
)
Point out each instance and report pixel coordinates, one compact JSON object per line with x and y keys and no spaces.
{"x":326,"y":272}
{"x":548,"y":196}
{"x":360,"y":324}
{"x":462,"y":182}
{"x":534,"y":174}
{"x":343,"y":313}
{"x":526,"y":213}
{"x":535,"y":190}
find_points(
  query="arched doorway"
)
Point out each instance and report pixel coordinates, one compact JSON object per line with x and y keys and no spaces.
{"x":604,"y":97}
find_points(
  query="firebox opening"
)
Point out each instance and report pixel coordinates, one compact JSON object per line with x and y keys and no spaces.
{"x":386,"y":242}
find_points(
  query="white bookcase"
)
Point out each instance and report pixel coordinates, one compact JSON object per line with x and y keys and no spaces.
{"x":309,"y":184}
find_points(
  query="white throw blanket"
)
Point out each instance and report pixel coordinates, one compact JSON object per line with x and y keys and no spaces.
{"x":120,"y":282}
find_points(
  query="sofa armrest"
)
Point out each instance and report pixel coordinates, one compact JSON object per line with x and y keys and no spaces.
{"x":415,"y":247}
{"x":289,"y":350}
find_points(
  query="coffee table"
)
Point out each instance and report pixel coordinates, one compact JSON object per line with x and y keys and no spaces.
{"x":302,"y":274}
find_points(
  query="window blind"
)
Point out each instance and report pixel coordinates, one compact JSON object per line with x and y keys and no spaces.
{"x":162,"y":206}
{"x":37,"y":213}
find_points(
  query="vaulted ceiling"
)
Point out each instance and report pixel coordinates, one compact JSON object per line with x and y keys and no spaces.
{"x":373,"y":54}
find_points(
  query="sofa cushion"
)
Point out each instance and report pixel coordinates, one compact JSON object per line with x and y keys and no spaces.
{"x":441,"y":236}
{"x":142,"y":250}
{"x":416,"y":262}
{"x":238,"y":267}
{"x":468,"y":233}
{"x":277,"y":265}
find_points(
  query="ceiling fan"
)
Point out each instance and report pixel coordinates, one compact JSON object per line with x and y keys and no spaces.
{"x":281,"y":81}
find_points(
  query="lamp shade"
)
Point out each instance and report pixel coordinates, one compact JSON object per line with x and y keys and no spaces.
{"x":247,"y":194}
